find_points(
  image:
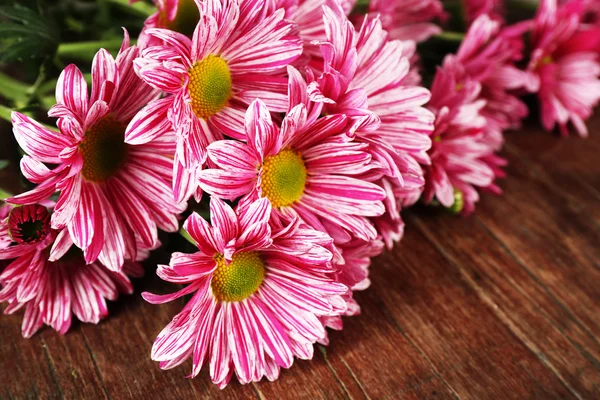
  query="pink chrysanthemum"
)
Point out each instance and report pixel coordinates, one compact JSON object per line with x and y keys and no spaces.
{"x":258,"y":292}
{"x":409,"y":19}
{"x":473,"y":9}
{"x":5,"y":239}
{"x":52,"y":290}
{"x":564,"y":65}
{"x":238,"y":52}
{"x":113,"y":196}
{"x":366,"y":71}
{"x":365,"y":74}
{"x":308,"y":17}
{"x":307,"y":168}
{"x":487,"y":55}
{"x":462,"y":157}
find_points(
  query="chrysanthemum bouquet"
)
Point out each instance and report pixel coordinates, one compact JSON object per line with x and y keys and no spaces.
{"x":282,"y":138}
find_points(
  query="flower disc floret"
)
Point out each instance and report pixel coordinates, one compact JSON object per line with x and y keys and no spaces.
{"x":209,"y":86}
{"x":283,"y":178}
{"x":103,"y":150}
{"x":238,"y":279}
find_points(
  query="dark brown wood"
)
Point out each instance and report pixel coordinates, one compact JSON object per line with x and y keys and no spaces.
{"x":503,"y":304}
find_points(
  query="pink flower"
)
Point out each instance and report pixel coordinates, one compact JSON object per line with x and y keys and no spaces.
{"x":462,"y":157}
{"x":564,"y":66}
{"x":476,"y":8}
{"x":488,"y":55}
{"x":308,"y":16}
{"x":5,"y":239}
{"x":258,"y":292}
{"x":309,"y":168}
{"x":113,"y":196}
{"x":50,"y":291}
{"x":367,"y":75}
{"x":409,"y":19}
{"x":238,"y":52}
{"x":352,"y":268}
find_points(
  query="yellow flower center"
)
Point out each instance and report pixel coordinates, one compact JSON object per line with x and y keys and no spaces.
{"x":185,"y":20}
{"x":240,"y":278}
{"x":103,"y":149}
{"x":210,"y":86}
{"x":283,"y":178}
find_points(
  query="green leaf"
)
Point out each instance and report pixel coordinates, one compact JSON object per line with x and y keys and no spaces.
{"x":26,"y":34}
{"x":4,"y":194}
{"x":187,"y":236}
{"x":3,"y":164}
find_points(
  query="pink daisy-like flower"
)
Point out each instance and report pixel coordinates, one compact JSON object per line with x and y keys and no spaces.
{"x":308,"y":17}
{"x":488,"y":54}
{"x":113,"y":196}
{"x":365,"y":73}
{"x":462,"y":157}
{"x":258,"y":293}
{"x":473,"y":9}
{"x":353,"y":271}
{"x":5,"y":239}
{"x":49,"y":278}
{"x":238,"y":52}
{"x":307,"y":168}
{"x":409,"y":19}
{"x":564,"y":65}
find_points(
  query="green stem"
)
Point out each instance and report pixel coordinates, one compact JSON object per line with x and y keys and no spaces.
{"x":87,"y":50}
{"x":13,"y":89}
{"x":5,"y":113}
{"x":140,"y":8}
{"x":450,"y":36}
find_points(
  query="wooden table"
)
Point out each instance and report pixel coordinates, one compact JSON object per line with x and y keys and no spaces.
{"x":504,"y":304}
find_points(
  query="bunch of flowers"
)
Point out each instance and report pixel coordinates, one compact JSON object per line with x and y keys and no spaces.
{"x":299,"y":130}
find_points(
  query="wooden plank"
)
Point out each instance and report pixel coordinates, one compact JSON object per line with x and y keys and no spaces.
{"x":517,"y":298}
{"x":73,"y":363}
{"x":571,"y":159}
{"x":304,"y":380}
{"x":121,"y":347}
{"x":465,"y":341}
{"x":553,"y":237}
{"x":27,"y":371}
{"x":373,"y":354}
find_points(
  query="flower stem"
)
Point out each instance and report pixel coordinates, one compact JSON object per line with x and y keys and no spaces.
{"x":5,"y":113}
{"x":450,"y":36}
{"x":87,"y":50}
{"x":140,"y":8}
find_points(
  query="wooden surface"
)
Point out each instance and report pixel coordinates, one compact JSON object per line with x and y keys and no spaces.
{"x":504,"y":304}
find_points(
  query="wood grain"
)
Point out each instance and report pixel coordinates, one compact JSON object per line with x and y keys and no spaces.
{"x":500,"y":305}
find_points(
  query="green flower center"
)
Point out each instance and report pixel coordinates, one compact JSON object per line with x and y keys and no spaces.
{"x":240,"y":278}
{"x":283,"y":178}
{"x":209,"y":86}
{"x":186,"y":18}
{"x":103,"y":149}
